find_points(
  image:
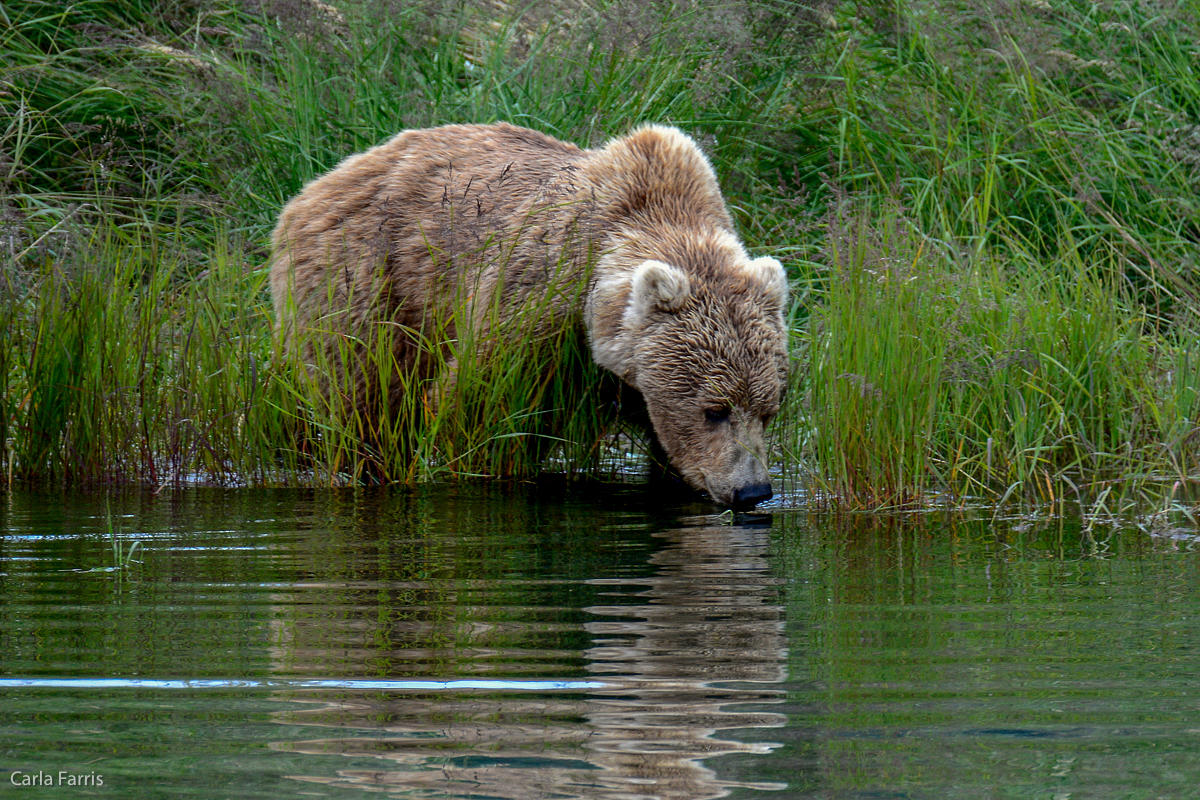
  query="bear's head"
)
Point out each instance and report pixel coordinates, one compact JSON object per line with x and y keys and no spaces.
{"x":707,"y":348}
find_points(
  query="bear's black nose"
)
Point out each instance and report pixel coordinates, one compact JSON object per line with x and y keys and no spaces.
{"x":752,"y":495}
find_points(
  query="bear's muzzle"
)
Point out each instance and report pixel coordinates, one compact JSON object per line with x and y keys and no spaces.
{"x":749,"y":496}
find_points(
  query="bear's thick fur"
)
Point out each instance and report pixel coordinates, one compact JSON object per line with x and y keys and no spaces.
{"x":632,"y":241}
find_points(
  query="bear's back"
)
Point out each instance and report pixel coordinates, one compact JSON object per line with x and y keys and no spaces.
{"x":421,"y":169}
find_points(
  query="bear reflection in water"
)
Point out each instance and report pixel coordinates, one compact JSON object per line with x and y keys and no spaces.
{"x":707,"y":634}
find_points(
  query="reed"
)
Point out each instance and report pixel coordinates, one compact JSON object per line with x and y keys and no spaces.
{"x":933,"y":375}
{"x":990,"y":222}
{"x":119,"y":371}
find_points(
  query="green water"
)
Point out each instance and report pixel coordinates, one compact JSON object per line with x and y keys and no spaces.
{"x":519,"y":643}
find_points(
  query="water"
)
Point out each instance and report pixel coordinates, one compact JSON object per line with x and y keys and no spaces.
{"x":512,"y":643}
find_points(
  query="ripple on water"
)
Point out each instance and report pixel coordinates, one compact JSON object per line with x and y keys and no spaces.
{"x":470,"y":642}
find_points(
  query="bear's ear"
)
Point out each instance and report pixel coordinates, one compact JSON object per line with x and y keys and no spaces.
{"x":658,"y":286}
{"x":769,"y":272}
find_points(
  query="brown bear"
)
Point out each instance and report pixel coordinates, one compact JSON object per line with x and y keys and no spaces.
{"x":632,"y":241}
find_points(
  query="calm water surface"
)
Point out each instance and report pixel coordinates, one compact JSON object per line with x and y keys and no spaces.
{"x":491,"y":643}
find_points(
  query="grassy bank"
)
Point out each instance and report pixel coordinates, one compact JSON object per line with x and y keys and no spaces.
{"x":1006,"y":288}
{"x":989,"y":215}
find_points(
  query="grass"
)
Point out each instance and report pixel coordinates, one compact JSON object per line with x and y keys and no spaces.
{"x":129,"y":373}
{"x":990,"y":222}
{"x":503,"y":415}
{"x":1006,"y":290}
{"x":988,"y":378}
{"x":122,"y":556}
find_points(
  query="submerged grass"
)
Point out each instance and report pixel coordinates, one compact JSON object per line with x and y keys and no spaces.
{"x":990,"y":219}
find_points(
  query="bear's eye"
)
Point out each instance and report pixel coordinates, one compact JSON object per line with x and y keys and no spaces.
{"x":717,"y":415}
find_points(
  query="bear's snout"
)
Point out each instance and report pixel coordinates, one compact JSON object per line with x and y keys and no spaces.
{"x":742,"y":484}
{"x":752,"y":495}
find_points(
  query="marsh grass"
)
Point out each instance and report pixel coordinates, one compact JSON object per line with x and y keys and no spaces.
{"x":128,"y":373}
{"x":132,"y":374}
{"x":1053,"y":131}
{"x":873,"y":368}
{"x":990,"y":219}
{"x":462,"y":413}
{"x":995,"y":380}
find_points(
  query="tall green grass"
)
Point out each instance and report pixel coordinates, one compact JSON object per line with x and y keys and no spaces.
{"x":1007,"y":285}
{"x":139,"y":344}
{"x":928,"y":374}
{"x":324,"y":100}
{"x":136,"y":374}
{"x":1048,"y":130}
{"x":990,"y":221}
{"x":477,"y":406}
{"x":118,"y":371}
